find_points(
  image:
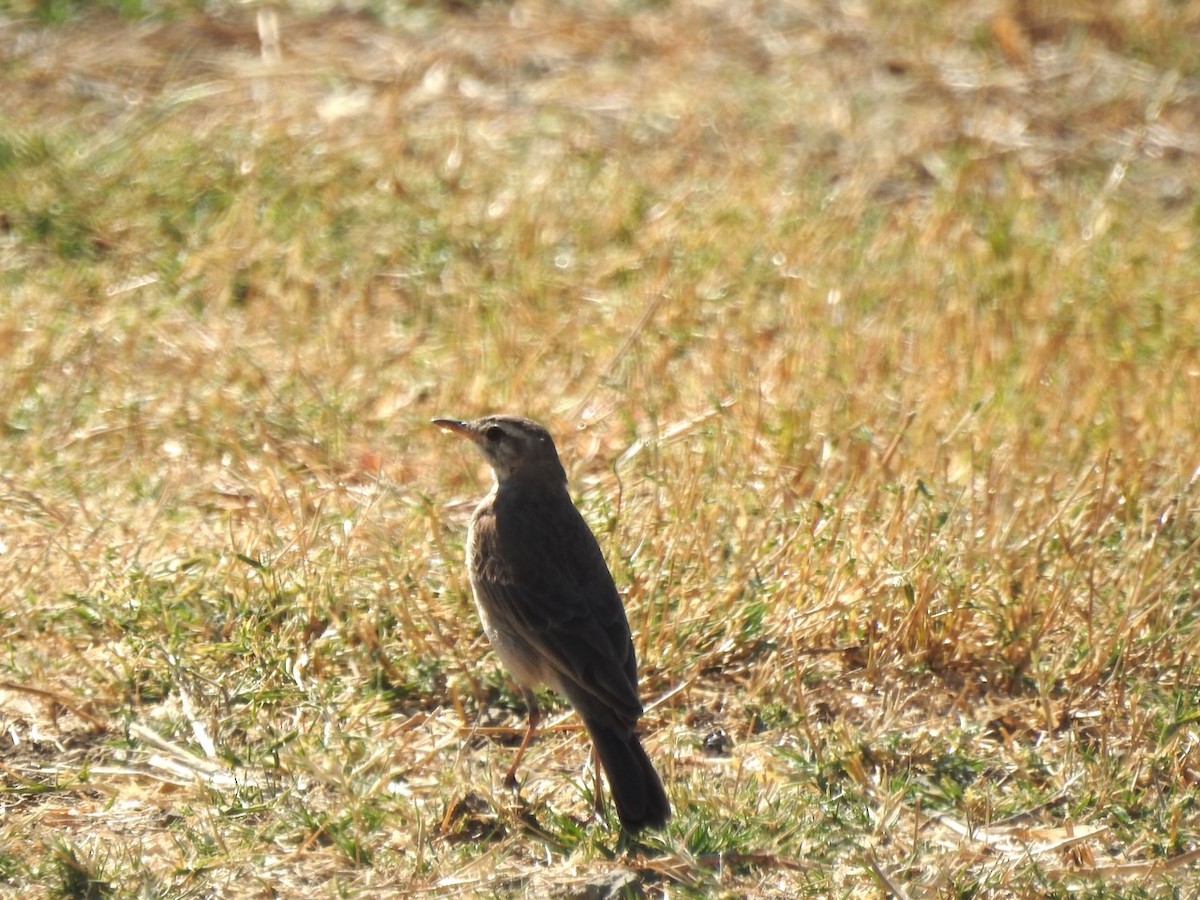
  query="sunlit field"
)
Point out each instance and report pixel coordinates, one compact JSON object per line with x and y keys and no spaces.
{"x":870,"y":337}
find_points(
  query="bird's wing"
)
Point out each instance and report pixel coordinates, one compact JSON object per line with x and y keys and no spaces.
{"x":545,"y":575}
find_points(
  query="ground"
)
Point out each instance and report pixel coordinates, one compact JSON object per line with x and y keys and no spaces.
{"x":870,"y":337}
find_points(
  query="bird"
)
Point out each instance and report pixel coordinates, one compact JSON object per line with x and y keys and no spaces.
{"x":551,"y":610}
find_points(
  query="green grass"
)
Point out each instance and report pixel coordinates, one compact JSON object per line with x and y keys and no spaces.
{"x":870,"y":341}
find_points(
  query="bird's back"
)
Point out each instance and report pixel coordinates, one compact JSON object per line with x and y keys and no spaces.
{"x":536,"y":559}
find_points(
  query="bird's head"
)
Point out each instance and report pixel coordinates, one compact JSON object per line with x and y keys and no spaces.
{"x":514,"y":446}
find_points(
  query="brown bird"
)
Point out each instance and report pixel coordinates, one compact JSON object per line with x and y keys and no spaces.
{"x":551,"y":610}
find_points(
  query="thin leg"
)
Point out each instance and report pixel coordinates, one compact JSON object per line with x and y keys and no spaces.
{"x":598,"y":796}
{"x":535,"y":716}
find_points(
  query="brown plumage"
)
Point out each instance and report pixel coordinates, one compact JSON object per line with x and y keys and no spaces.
{"x":551,"y":610}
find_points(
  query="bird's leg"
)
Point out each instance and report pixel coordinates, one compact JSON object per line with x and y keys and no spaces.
{"x":535,"y":716}
{"x":598,"y":796}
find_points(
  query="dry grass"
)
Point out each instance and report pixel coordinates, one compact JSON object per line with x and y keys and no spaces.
{"x":871,"y":334}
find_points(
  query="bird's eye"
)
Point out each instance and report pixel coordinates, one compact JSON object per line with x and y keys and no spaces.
{"x":494,"y":433}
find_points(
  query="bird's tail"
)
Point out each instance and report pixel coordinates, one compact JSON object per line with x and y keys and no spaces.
{"x":636,"y":788}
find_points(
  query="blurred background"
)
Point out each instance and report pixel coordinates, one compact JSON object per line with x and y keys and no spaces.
{"x":869,"y":334}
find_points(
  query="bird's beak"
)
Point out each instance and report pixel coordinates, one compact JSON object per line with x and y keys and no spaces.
{"x":458,"y":427}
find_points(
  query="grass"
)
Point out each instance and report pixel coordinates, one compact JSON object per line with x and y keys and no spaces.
{"x":870,"y":339}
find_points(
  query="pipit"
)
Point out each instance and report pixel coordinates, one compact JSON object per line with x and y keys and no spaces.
{"x":551,"y":610}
